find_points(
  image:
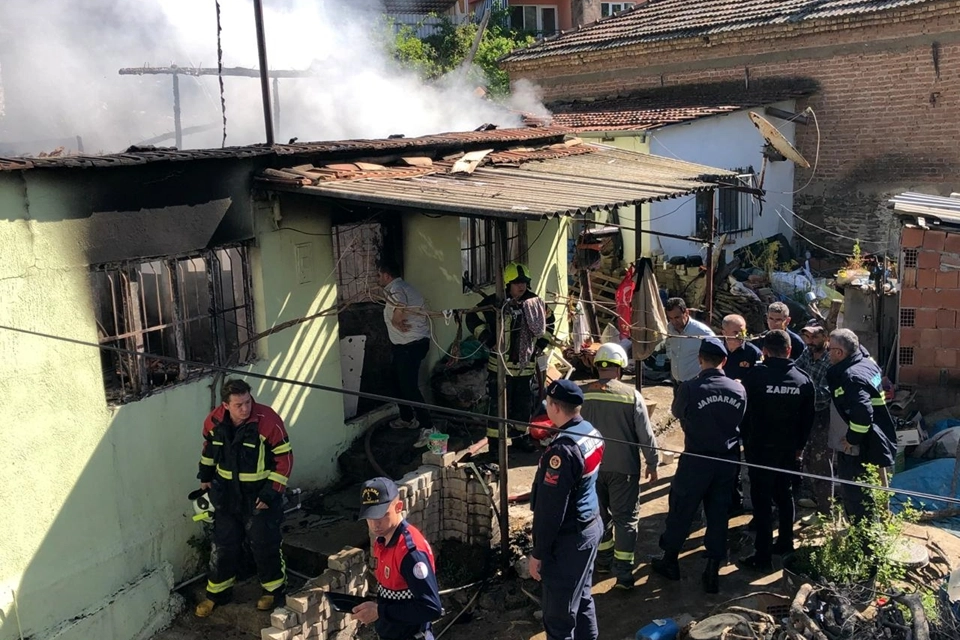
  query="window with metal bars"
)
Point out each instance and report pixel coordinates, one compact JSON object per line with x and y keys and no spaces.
{"x":734,"y":210}
{"x":356,"y":249}
{"x":193,"y":308}
{"x":905,"y":356}
{"x":910,"y":258}
{"x":908,"y":317}
{"x":477,"y":247}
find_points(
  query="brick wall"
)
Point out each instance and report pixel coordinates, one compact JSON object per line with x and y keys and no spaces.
{"x":445,"y":501}
{"x":889,"y":117}
{"x":929,"y":350}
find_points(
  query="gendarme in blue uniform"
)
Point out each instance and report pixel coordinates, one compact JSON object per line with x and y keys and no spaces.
{"x":710,"y":408}
{"x":566,"y":523}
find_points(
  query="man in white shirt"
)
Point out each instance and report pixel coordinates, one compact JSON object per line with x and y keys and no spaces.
{"x":409,"y":330}
{"x":683,"y":350}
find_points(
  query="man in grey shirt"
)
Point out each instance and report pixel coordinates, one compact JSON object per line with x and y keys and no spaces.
{"x":617,"y":411}
{"x":683,"y":344}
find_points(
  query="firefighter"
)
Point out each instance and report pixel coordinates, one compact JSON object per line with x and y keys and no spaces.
{"x":618,"y":412}
{"x":566,"y":518}
{"x":408,"y":598}
{"x":528,"y":326}
{"x":244,"y":465}
{"x":710,"y":408}
{"x":780,"y":412}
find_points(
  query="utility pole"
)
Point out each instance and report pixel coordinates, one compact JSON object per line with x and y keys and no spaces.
{"x":264,"y":71}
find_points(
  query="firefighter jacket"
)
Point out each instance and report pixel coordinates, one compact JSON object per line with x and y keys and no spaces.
{"x":855,"y":384}
{"x":564,"y":493}
{"x":780,"y":406}
{"x":256,"y":458}
{"x":710,"y":408}
{"x":618,"y":412}
{"x":408,"y":597}
{"x":483,"y":326}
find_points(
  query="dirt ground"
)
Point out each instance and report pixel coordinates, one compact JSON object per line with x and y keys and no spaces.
{"x":506,"y":610}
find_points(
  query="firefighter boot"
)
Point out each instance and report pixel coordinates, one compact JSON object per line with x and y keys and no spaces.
{"x":711,"y":576}
{"x":667,"y":565}
{"x":624,"y":572}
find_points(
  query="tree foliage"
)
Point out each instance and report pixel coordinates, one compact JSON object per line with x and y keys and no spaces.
{"x":445,"y":50}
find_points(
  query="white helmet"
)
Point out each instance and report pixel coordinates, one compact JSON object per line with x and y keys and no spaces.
{"x":202,"y":506}
{"x":610,"y":353}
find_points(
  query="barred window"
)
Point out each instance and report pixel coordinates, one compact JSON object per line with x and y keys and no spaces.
{"x":477,"y":247}
{"x":194,"y":308}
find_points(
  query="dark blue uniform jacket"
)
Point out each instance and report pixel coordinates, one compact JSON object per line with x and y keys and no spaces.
{"x":710,"y":408}
{"x":855,"y":383}
{"x":741,"y":362}
{"x":780,"y":410}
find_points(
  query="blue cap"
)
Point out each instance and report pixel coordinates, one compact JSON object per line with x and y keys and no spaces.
{"x":376,"y":496}
{"x":565,"y":391}
{"x":713,"y":347}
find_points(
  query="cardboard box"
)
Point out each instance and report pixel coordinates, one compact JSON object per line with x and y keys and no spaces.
{"x":908,"y":437}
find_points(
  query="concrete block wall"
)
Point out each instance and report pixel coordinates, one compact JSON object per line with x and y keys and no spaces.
{"x":929,"y":349}
{"x":445,"y":501}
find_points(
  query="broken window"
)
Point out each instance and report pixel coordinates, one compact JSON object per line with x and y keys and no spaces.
{"x":610,"y":8}
{"x":734,"y":209}
{"x":356,"y":249}
{"x":478,"y":246}
{"x":194,"y":309}
{"x":535,"y":19}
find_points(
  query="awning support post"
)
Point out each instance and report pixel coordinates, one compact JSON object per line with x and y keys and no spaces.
{"x":502,"y":455}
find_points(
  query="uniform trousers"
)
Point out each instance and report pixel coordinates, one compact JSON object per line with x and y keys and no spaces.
{"x":699,"y":480}
{"x":566,"y":579}
{"x":856,"y":501}
{"x":619,"y":495}
{"x":768,"y":488}
{"x":519,"y":405}
{"x":260,"y":529}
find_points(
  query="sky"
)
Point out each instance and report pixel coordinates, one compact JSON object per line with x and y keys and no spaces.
{"x":59,"y":63}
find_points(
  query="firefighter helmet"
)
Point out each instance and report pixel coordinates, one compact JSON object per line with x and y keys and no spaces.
{"x":202,"y":506}
{"x":516,"y":272}
{"x":609,"y":354}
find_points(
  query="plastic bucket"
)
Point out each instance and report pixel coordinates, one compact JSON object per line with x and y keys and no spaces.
{"x":438,"y":443}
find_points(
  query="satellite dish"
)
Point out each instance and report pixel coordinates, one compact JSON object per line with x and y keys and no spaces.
{"x":777,"y":141}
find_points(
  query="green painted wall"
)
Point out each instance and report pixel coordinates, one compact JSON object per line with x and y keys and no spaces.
{"x":94,"y":497}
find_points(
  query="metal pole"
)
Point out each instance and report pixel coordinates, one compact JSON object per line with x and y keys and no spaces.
{"x":637,"y":254}
{"x":177,"y":126}
{"x":264,"y":70}
{"x":276,"y":106}
{"x":502,"y":457}
{"x":710,"y":247}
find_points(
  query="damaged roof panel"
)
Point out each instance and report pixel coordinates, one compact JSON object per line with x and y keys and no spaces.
{"x":663,"y":20}
{"x":570,"y":185}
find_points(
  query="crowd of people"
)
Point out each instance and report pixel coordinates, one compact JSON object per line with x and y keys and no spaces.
{"x":781,"y":402}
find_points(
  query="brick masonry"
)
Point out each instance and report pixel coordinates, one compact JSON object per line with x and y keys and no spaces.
{"x":888,"y":109}
{"x":930,"y":296}
{"x":444,"y":500}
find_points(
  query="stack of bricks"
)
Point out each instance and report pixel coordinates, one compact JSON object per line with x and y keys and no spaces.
{"x":929,"y":349}
{"x":443,"y":499}
{"x":308,"y":613}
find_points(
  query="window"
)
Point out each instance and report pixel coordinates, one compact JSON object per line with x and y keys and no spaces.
{"x":356,"y":249}
{"x":193,"y":308}
{"x":734,"y":209}
{"x":477,"y":246}
{"x":532,"y":18}
{"x":610,"y":8}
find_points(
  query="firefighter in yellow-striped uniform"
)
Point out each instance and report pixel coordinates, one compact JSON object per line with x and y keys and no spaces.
{"x":528,"y":326}
{"x":245,"y":465}
{"x":617,"y":410}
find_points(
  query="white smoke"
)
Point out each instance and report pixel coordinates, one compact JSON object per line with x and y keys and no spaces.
{"x":59,"y":63}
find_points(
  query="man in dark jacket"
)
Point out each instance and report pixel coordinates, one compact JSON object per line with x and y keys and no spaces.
{"x":528,"y":326}
{"x":710,"y":408}
{"x":780,"y":411}
{"x":778,"y":318}
{"x":855,"y":384}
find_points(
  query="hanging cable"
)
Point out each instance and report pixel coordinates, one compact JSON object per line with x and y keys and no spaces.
{"x":223,"y":100}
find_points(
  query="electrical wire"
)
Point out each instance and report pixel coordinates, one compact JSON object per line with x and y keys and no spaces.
{"x":466,"y":414}
{"x":816,"y":159}
{"x":809,"y":241}
{"x":834,"y":233}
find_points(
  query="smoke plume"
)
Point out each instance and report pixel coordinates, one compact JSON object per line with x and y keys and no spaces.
{"x":59,"y":64}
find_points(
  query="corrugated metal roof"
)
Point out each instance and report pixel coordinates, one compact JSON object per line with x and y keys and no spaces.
{"x":660,"y":107}
{"x":537,"y":189}
{"x":920,"y":205}
{"x":338,"y":148}
{"x":661,"y":20}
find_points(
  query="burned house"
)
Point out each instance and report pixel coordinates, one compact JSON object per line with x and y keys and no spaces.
{"x":130,"y":281}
